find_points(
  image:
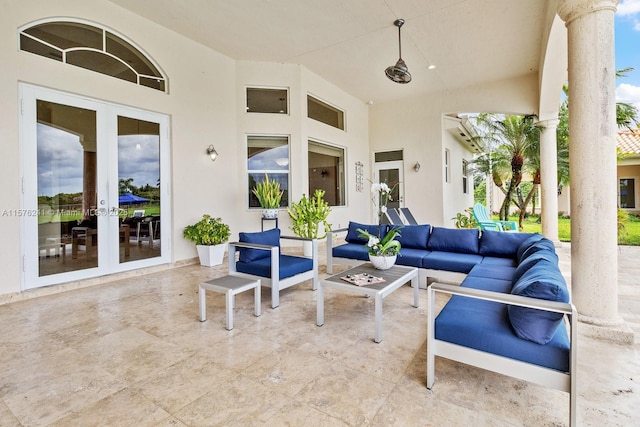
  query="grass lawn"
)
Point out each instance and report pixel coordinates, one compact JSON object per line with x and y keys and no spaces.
{"x":630,"y":237}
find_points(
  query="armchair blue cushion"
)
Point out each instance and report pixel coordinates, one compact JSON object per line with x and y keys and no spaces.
{"x":289,"y":266}
{"x":542,"y":281}
{"x":464,"y":241}
{"x":270,"y":237}
{"x":414,"y":236}
{"x":495,"y":243}
{"x":353,"y":235}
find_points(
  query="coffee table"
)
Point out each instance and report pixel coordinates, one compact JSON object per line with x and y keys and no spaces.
{"x":394,"y":278}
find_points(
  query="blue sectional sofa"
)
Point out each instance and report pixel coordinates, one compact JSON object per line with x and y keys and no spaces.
{"x":509,"y":313}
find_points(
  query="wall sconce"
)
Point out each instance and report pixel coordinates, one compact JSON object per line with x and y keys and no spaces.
{"x":324,"y":173}
{"x":416,"y":167}
{"x":211,"y":152}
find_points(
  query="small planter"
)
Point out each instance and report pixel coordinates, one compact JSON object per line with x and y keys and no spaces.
{"x":211,"y":255}
{"x":383,"y":262}
{"x":269,"y":213}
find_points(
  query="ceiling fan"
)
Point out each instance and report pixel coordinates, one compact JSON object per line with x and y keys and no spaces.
{"x":399,"y":72}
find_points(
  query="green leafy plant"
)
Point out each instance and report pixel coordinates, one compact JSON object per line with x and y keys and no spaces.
{"x":387,"y":246}
{"x":268,"y":193}
{"x":465,"y":220}
{"x":208,"y":231}
{"x":308,"y":214}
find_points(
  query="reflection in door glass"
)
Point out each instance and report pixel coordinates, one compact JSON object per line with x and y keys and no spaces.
{"x":392,"y":178}
{"x":139,"y":189}
{"x":66,"y":168}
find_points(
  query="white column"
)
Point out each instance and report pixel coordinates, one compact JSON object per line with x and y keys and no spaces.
{"x":549,"y":179}
{"x":592,"y":158}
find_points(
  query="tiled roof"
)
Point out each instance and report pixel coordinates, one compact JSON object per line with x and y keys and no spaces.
{"x":628,"y":141}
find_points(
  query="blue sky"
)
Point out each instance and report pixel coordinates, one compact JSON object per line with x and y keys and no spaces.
{"x":627,"y":28}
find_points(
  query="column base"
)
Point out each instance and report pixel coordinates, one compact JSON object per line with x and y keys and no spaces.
{"x":615,"y":330}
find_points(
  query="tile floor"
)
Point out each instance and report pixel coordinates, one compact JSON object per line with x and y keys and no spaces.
{"x":133,"y":353}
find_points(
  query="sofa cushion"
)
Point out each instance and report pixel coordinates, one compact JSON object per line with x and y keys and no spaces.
{"x":492,"y":260}
{"x":414,"y":236}
{"x":532,"y":260}
{"x":450,"y":261}
{"x":484,"y":326}
{"x":487,"y":284}
{"x":351,"y":251}
{"x":463,"y":241}
{"x":501,"y":272}
{"x":500,"y":244}
{"x":543,"y":244}
{"x":543,"y":281}
{"x":353,"y":235}
{"x":289,"y":266}
{"x":527,"y":243}
{"x":270,"y":237}
{"x":411,"y":257}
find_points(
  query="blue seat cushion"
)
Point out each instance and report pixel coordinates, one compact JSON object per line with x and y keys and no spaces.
{"x":353,"y":235}
{"x":485,"y":326}
{"x":487,"y":284}
{"x":501,"y":272}
{"x":532,"y":260}
{"x":450,"y":261}
{"x":270,"y":237}
{"x":543,"y":281}
{"x":498,"y":244}
{"x":351,"y":251}
{"x":414,"y":236}
{"x":289,"y":266}
{"x":463,"y":241}
{"x":526,"y":244}
{"x":492,"y":260}
{"x":411,"y":257}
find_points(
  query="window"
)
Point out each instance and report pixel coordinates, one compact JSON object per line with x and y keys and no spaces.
{"x":628,"y":193}
{"x":465,"y":175}
{"x":92,"y":48}
{"x":268,"y":155}
{"x":263,"y":100}
{"x":325,"y":113}
{"x":326,"y":172}
{"x":447,"y":173}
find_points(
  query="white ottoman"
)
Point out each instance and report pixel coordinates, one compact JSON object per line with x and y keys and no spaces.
{"x":230,"y":286}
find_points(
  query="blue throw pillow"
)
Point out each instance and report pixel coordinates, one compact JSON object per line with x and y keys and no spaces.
{"x":270,"y":237}
{"x":532,"y":260}
{"x":414,"y":236}
{"x":543,"y":244}
{"x":464,"y":241}
{"x":500,"y":244}
{"x":542,"y":281}
{"x":526,"y":244}
{"x":353,"y":235}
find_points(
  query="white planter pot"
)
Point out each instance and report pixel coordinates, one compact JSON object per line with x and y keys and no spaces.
{"x":211,"y":255}
{"x":307,"y":248}
{"x":269,"y":213}
{"x":382,"y":262}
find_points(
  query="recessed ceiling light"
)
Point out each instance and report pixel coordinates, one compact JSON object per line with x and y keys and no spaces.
{"x":431,"y":67}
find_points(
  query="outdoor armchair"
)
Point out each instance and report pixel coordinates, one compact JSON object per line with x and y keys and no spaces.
{"x":484,"y":220}
{"x":258,"y":255}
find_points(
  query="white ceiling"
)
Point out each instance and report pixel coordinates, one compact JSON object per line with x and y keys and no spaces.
{"x":351,"y":42}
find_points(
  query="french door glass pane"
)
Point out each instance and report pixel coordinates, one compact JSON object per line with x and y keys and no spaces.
{"x":392,"y":178}
{"x":66,"y":185}
{"x":139,"y":188}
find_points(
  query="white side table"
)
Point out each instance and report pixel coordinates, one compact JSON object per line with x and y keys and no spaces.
{"x":230,"y":286}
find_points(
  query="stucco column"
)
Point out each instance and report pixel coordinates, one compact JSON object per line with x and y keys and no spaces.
{"x":592,"y":157}
{"x":549,"y":179}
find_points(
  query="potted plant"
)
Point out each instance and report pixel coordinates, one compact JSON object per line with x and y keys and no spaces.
{"x":269,"y":195}
{"x":210,"y":236}
{"x":307,"y":215}
{"x":382,"y":252}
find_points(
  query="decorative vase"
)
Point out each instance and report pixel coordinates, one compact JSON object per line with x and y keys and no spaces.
{"x":383,"y":262}
{"x":269,"y":213}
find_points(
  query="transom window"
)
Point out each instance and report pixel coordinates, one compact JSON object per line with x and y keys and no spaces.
{"x":325,"y":113}
{"x":92,"y":48}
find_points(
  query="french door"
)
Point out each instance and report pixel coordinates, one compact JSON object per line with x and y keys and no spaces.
{"x":392,"y":173}
{"x":95,"y":180}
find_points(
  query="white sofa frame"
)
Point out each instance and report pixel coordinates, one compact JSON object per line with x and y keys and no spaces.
{"x":564,"y":381}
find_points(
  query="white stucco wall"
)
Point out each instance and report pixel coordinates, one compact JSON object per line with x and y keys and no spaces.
{"x":206,"y":106}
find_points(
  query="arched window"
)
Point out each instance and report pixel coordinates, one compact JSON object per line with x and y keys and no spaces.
{"x":93,"y":48}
